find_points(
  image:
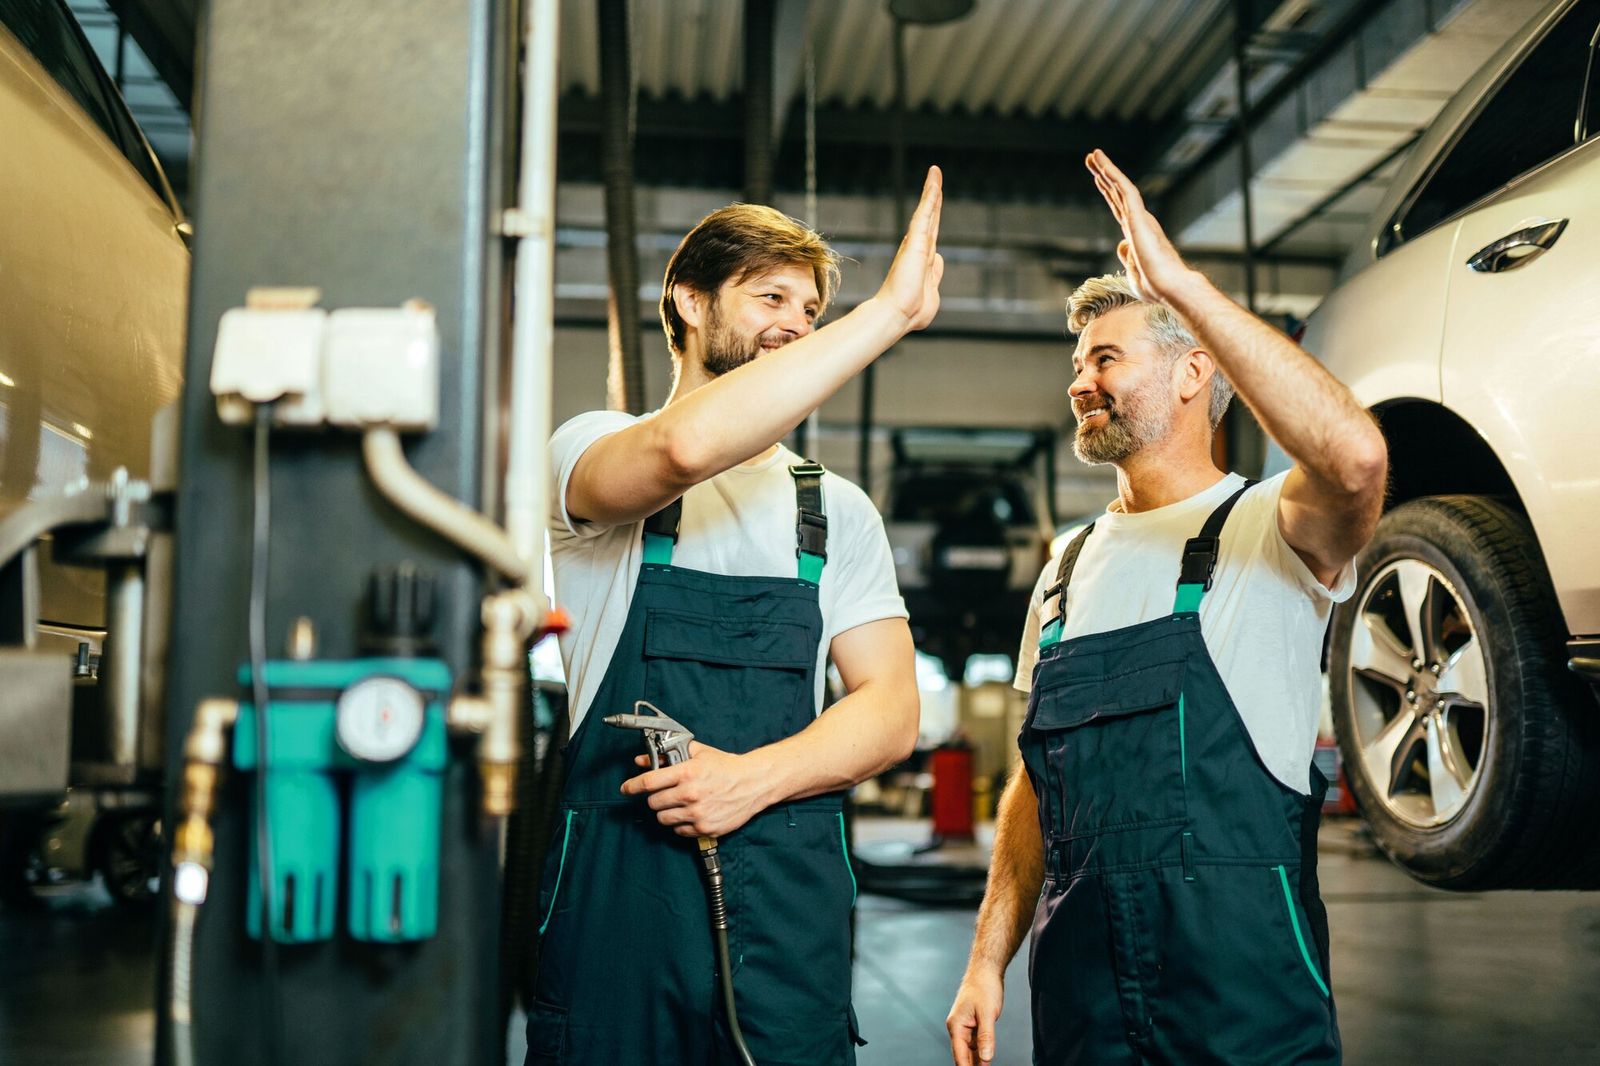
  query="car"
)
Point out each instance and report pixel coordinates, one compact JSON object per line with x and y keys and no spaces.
{"x":1462,"y":670}
{"x":969,"y":522}
{"x":94,"y":271}
{"x":96,"y":268}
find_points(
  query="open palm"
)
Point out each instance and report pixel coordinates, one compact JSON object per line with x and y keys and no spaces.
{"x":912,"y":284}
{"x":1154,"y":267}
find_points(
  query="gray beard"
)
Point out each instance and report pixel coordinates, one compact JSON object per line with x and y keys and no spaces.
{"x":1130,"y":424}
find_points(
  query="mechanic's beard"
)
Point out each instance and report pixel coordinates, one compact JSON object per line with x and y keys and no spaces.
{"x":725,"y":349}
{"x":1131,"y":423}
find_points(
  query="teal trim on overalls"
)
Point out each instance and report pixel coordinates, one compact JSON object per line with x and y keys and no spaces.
{"x":844,"y":846}
{"x":1188,"y":598}
{"x":1147,"y":944}
{"x":657,"y":550}
{"x":811,"y":567}
{"x":561,"y":868}
{"x":734,"y":659}
{"x":1299,"y":938}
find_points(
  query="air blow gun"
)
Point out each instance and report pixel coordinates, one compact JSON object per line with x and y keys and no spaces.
{"x":668,"y":742}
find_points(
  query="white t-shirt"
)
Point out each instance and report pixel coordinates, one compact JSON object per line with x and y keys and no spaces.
{"x":1262,"y":620}
{"x":740,"y":523}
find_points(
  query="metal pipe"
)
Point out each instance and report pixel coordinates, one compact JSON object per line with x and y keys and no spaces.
{"x":897,"y":144}
{"x":527,"y":485}
{"x":625,"y":377}
{"x":1241,"y":33}
{"x":442,"y":513}
{"x":121,"y":659}
{"x":1316,"y":210}
{"x":509,"y":621}
{"x":758,"y":74}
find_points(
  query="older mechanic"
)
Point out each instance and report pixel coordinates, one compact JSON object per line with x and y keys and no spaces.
{"x":1169,"y":805}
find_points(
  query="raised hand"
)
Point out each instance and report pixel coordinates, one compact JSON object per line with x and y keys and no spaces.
{"x":912,"y":284}
{"x":1154,"y":267}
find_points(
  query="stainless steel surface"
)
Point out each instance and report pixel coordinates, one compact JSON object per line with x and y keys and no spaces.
{"x":82,"y":370}
{"x":35,"y":722}
{"x":1422,"y":713}
{"x":122,"y":660}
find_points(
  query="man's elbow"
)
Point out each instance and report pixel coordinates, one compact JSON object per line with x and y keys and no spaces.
{"x":907,"y":721}
{"x":683,"y":456}
{"x":1364,"y":470}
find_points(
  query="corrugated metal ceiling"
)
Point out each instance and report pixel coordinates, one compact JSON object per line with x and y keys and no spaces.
{"x":1100,"y":59}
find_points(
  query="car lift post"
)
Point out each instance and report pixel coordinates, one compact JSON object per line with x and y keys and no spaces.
{"x":361,"y":151}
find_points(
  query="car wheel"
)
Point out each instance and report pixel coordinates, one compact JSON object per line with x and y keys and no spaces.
{"x":128,"y":856}
{"x":1470,"y":748}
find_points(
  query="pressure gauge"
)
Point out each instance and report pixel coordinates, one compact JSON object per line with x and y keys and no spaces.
{"x":380,"y":719}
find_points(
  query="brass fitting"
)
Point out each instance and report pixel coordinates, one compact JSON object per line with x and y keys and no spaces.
{"x":509,"y":621}
{"x":204,"y":751}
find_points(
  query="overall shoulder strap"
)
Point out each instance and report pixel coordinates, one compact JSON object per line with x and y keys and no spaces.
{"x":1051,"y":632}
{"x":1200,"y":555}
{"x":810,"y":521}
{"x":661,"y":533}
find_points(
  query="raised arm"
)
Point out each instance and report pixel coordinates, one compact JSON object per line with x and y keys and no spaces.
{"x":1334,"y":495}
{"x":634,"y":473}
{"x":1016,"y":876}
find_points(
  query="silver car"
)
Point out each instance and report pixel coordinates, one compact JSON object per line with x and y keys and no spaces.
{"x":1470,"y":325}
{"x":93,"y":285}
{"x":93,"y":288}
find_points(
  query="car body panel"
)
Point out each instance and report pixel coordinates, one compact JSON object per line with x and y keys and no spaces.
{"x":93,"y":285}
{"x":1381,"y":355}
{"x":1521,"y":364}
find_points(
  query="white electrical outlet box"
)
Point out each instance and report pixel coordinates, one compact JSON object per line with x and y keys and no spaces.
{"x":380,"y":367}
{"x":269,"y":356}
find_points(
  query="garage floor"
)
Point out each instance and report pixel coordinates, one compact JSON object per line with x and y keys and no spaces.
{"x":1421,"y":977}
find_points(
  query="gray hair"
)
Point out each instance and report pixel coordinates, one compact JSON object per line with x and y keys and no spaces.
{"x":1098,"y":296}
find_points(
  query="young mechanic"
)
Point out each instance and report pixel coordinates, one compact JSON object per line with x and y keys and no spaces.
{"x":1161,"y":843}
{"x":712,"y":572}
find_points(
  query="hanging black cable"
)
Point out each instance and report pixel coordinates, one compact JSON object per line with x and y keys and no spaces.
{"x":260,"y":539}
{"x":625,"y":378}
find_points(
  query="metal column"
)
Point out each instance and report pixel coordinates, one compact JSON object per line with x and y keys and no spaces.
{"x":342,"y":147}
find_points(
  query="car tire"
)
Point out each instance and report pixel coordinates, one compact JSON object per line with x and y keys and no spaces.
{"x":1470,"y":748}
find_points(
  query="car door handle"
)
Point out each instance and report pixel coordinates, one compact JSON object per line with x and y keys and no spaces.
{"x":1514,"y":249}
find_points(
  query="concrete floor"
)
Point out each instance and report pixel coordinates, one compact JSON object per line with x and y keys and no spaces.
{"x":1421,"y":977}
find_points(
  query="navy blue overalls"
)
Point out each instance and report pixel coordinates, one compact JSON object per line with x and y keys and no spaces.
{"x":626,"y":969}
{"x":1180,"y":920}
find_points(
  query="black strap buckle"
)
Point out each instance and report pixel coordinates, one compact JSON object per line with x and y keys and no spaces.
{"x":811,"y":533}
{"x":1199,"y":561}
{"x":807,"y":468}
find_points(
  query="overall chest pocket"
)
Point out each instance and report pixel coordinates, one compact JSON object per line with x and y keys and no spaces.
{"x":736,"y":682}
{"x":1114,"y":748}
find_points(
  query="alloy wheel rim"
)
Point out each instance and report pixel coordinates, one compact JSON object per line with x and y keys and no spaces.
{"x":1418,"y":689}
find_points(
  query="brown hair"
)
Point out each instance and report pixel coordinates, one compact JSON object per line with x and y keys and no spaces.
{"x":737,"y":242}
